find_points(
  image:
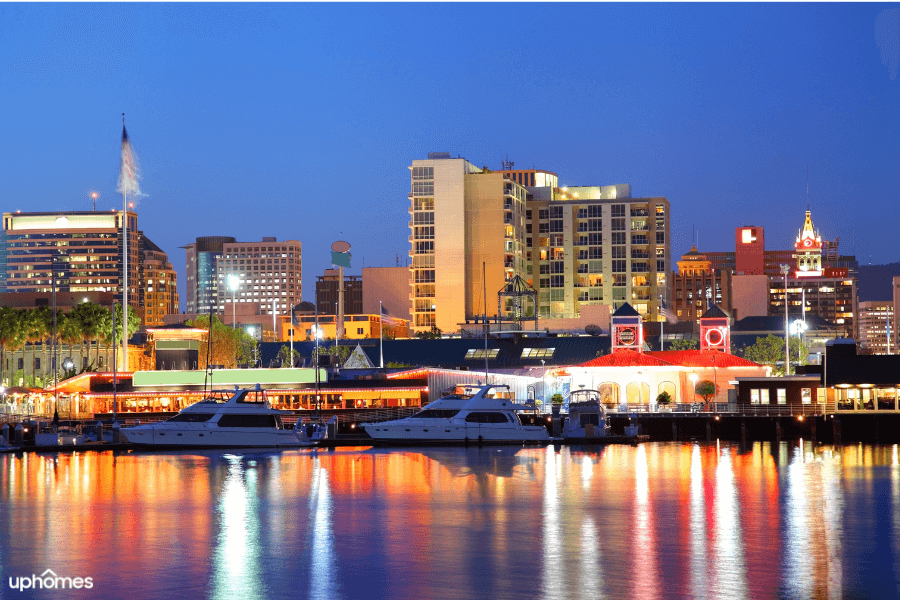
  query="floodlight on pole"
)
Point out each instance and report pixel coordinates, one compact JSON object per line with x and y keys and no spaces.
{"x":785,"y":269}
{"x":234,"y":283}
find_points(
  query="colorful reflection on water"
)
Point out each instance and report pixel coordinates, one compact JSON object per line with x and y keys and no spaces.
{"x":661,"y":520}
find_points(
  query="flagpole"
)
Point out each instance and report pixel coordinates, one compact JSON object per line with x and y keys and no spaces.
{"x":380,"y":335}
{"x":124,"y":268}
{"x":662,"y":336}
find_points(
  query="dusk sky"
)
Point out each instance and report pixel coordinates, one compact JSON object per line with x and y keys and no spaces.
{"x":299,"y":120}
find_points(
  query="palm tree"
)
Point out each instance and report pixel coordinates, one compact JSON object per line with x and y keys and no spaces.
{"x":36,"y":330}
{"x":11,"y":334}
{"x":68,"y":329}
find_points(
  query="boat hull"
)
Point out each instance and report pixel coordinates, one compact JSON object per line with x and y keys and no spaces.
{"x":244,"y":437}
{"x":455,"y":433}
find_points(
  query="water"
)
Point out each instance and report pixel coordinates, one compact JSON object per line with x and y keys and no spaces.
{"x":662,"y":520}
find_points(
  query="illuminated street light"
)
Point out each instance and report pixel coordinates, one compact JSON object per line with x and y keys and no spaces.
{"x":785,"y":269}
{"x":693,"y":377}
{"x":799,"y":327}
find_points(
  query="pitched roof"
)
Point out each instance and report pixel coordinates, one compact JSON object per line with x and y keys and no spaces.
{"x":626,"y":310}
{"x":714,"y":312}
{"x":626,"y":358}
{"x":703,"y":358}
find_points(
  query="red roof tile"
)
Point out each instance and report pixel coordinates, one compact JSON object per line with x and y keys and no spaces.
{"x":626,"y":358}
{"x":703,"y":358}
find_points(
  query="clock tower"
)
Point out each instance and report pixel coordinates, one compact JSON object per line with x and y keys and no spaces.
{"x":809,"y":250}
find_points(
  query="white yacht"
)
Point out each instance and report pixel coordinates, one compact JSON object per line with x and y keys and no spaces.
{"x":587,"y":416}
{"x":470,"y":413}
{"x":243,"y":420}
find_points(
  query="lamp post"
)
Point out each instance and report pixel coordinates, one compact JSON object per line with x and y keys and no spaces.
{"x":799,"y":328}
{"x":94,"y":196}
{"x":693,"y":377}
{"x":543,"y":382}
{"x":234,"y":283}
{"x":785,"y":269}
{"x":54,"y":260}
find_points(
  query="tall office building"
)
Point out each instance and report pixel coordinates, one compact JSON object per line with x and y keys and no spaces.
{"x":88,"y":245}
{"x":875,"y":321}
{"x":597,"y":245}
{"x":159,"y":284}
{"x":201,"y":262}
{"x":467,"y":239}
{"x":267,"y":273}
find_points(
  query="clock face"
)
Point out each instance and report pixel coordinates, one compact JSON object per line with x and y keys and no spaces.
{"x":627,"y":336}
{"x":807,"y":242}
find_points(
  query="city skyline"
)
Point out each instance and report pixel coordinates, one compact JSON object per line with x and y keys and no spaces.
{"x":253,"y":121}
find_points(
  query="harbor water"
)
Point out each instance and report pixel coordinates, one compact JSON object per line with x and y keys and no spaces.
{"x":656,"y":520}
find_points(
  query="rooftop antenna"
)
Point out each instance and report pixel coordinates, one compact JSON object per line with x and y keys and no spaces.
{"x":507,"y":165}
{"x":807,"y":187}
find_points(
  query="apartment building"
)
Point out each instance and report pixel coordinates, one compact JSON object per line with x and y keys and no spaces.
{"x":327,"y":286}
{"x":201,"y":271}
{"x":467,"y":239}
{"x":592,"y":245}
{"x":159,"y":284}
{"x":697,"y":285}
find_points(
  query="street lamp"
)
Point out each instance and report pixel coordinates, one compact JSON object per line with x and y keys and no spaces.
{"x":799,"y":327}
{"x":785,"y":269}
{"x":234,"y":283}
{"x":94,"y":196}
{"x":693,"y":377}
{"x":54,"y":260}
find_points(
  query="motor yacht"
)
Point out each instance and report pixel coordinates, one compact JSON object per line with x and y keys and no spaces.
{"x":587,"y":416}
{"x":468,"y":413}
{"x":242,"y":418}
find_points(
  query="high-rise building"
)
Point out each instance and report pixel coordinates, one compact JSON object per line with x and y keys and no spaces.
{"x":202,"y":267}
{"x":697,"y":286}
{"x":875,"y":320}
{"x":327,"y":293}
{"x":86,"y":245}
{"x":159,"y":284}
{"x":467,"y":238}
{"x":597,"y":245}
{"x":267,"y":273}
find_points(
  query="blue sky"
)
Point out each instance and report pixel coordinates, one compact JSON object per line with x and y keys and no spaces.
{"x":299,"y":120}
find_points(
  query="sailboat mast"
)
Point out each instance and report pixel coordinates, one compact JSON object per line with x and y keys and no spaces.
{"x":486,"y":324}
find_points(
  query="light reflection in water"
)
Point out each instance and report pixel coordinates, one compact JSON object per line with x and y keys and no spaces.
{"x":730,"y":573}
{"x":237,"y":554}
{"x":322,"y":563}
{"x":553,"y":542}
{"x":645,"y":560}
{"x":698,"y":527}
{"x":663,"y":520}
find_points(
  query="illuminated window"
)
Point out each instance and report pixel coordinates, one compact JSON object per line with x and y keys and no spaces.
{"x":473,"y":353}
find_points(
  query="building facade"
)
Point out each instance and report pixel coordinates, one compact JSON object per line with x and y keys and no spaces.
{"x":159,"y":284}
{"x":467,"y":238}
{"x":597,"y":245}
{"x":697,"y":285}
{"x":327,"y":296}
{"x":201,"y":263}
{"x":875,"y":321}
{"x":267,"y":273}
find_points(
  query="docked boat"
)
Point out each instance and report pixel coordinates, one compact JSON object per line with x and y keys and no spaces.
{"x":587,"y":416}
{"x":242,"y":418}
{"x":468,"y":413}
{"x":5,"y":446}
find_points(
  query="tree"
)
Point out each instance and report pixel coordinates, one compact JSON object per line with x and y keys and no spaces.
{"x":770,"y":351}
{"x":396,"y":365}
{"x":36,"y":328}
{"x":684,"y":344}
{"x":229,"y":347}
{"x":342,"y":353}
{"x":92,"y":317}
{"x":664,"y":398}
{"x":706,"y":389}
{"x":287,"y":359}
{"x":106,"y":328}
{"x":433,"y":334}
{"x":12,"y":334}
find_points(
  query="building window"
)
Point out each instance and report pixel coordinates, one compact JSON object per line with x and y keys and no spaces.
{"x":781,"y":395}
{"x":475,"y":353}
{"x":537,"y":352}
{"x":806,"y":395}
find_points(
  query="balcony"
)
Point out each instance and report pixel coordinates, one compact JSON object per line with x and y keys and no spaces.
{"x":640,"y":240}
{"x":640,"y":212}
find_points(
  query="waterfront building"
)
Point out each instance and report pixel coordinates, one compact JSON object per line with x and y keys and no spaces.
{"x":201,"y":262}
{"x":875,"y":320}
{"x":327,"y":287}
{"x":596,"y":245}
{"x":266,"y":273}
{"x":696,"y":285}
{"x":356,"y":327}
{"x":895,"y":339}
{"x":631,"y":375}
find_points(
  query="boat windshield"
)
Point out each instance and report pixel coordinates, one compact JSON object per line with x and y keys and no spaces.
{"x":251,"y":396}
{"x":459,"y":392}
